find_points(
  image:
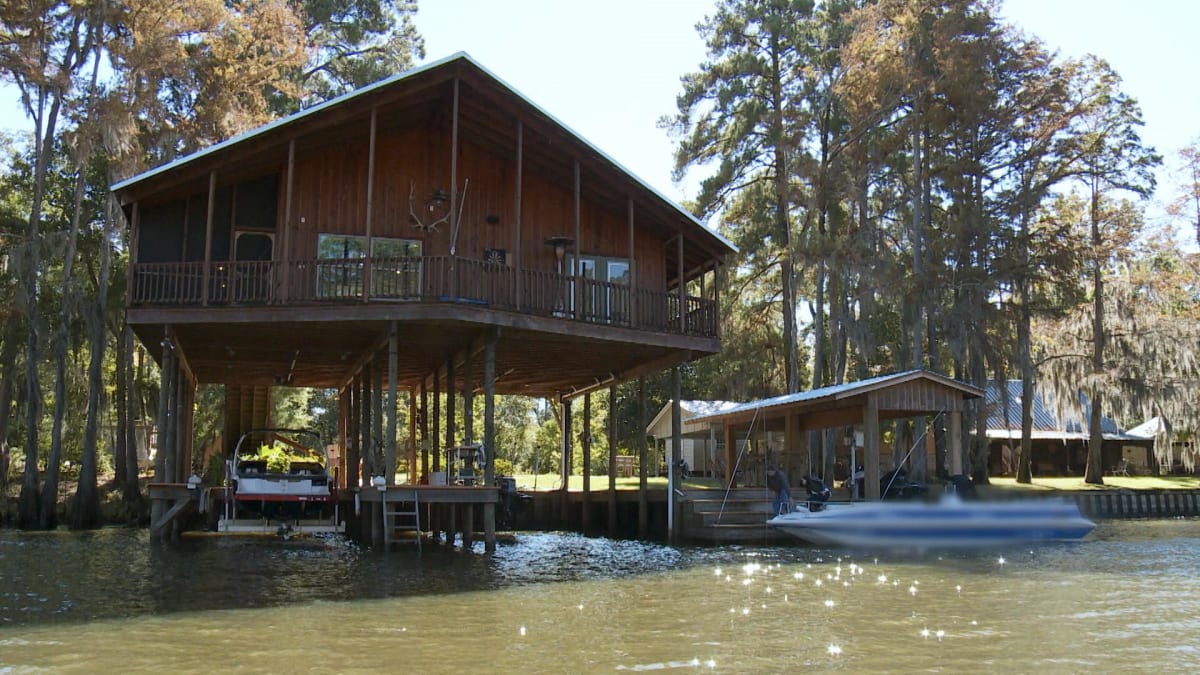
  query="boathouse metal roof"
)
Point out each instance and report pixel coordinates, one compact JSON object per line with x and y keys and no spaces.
{"x":842,"y":391}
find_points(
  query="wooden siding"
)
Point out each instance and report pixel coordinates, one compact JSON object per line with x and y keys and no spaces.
{"x":330,"y":194}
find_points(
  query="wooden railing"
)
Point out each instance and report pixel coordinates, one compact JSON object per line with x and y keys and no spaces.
{"x":428,"y":279}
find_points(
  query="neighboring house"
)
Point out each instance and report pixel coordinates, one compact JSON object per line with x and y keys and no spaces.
{"x":435,"y":232}
{"x":702,"y":443}
{"x":1184,"y":453}
{"x":1060,"y":443}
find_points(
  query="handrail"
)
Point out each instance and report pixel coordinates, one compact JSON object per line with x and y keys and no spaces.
{"x":420,"y":279}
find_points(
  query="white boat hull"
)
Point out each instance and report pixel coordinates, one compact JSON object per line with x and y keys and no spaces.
{"x":949,"y":523}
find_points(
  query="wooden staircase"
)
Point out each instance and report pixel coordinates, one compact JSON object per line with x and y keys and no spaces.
{"x":738,"y":515}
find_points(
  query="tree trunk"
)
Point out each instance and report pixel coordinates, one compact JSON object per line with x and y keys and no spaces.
{"x":8,"y":354}
{"x":1095,"y":470}
{"x":132,"y":489}
{"x":30,"y":502}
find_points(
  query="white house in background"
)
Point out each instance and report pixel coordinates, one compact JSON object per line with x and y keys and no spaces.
{"x":1184,"y":454}
{"x":701,"y":441}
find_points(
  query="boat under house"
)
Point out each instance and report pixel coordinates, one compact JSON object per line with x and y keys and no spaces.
{"x":435,"y":234}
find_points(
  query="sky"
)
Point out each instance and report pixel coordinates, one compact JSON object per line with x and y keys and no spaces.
{"x":611,"y":69}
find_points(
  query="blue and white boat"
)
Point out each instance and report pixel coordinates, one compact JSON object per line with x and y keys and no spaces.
{"x":947,"y":523}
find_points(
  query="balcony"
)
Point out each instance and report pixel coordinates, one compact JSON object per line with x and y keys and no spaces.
{"x":427,"y":279}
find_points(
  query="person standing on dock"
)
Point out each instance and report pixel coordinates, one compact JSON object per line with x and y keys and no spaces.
{"x":777,"y":482}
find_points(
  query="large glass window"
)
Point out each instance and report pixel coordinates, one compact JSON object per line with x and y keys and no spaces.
{"x":395,"y":266}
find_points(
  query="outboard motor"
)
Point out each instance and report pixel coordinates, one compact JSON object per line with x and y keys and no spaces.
{"x":962,"y":486}
{"x":896,"y":485}
{"x":511,"y":502}
{"x":818,"y":493}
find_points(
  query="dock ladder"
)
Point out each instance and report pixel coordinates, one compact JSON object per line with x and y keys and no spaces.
{"x":401,"y":511}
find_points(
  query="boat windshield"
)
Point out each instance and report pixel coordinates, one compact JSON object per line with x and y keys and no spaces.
{"x":292,"y":451}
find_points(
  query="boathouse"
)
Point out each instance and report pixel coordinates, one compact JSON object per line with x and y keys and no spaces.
{"x":436,"y":234}
{"x":859,"y":406}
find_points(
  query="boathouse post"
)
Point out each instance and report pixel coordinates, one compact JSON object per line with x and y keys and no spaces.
{"x":447,"y":520}
{"x":612,"y":461}
{"x":436,"y":422}
{"x":353,"y":438}
{"x":730,"y":455}
{"x":489,"y":438}
{"x":585,"y":515}
{"x":468,"y":394}
{"x":871,"y":447}
{"x":422,"y":474}
{"x":362,"y":384}
{"x":160,"y":459}
{"x":379,"y":442}
{"x":674,"y":480}
{"x":956,"y":441}
{"x":643,"y":503}
{"x":565,"y":463}
{"x":393,"y":366}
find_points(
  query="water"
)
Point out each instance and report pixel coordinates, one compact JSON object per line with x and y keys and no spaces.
{"x":1127,"y":600}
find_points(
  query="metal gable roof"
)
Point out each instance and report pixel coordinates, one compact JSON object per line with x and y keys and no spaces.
{"x":843,"y":390}
{"x":1045,"y":418}
{"x":393,"y":80}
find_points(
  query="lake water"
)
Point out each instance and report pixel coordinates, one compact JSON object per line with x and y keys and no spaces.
{"x":1126,"y":600}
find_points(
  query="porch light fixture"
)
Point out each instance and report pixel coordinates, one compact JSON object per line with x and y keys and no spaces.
{"x":560,"y":244}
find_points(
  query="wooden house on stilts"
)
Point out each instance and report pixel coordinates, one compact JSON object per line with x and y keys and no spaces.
{"x":435,"y":233}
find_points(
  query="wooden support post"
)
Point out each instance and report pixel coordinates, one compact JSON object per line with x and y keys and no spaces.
{"x":451,"y":403}
{"x":410,"y":453}
{"x":489,"y":408}
{"x":468,"y":392}
{"x":370,"y":220}
{"x":683,"y":308}
{"x":731,"y":453}
{"x":379,"y":442}
{"x":517,"y":247}
{"x":612,"y":461}
{"x":285,"y":234}
{"x":643,"y":503}
{"x":956,"y":443}
{"x":344,"y":437}
{"x":364,"y":428}
{"x":565,"y":463}
{"x":435,"y":447}
{"x":577,"y":301}
{"x":674,"y":480}
{"x":585,"y":519}
{"x":353,"y":438}
{"x":633,"y":275}
{"x":489,"y":527}
{"x":208,"y":235}
{"x":423,"y":476}
{"x":871,"y":448}
{"x":167,"y":442}
{"x":393,"y":365}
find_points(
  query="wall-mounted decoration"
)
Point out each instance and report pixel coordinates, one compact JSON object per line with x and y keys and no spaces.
{"x":495,"y":256}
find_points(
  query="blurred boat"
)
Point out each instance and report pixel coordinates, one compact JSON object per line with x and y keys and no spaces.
{"x":949,"y":522}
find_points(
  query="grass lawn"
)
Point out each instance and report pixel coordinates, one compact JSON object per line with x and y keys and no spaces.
{"x":549,"y":481}
{"x":1110,"y":483}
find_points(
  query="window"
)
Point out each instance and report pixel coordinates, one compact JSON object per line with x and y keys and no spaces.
{"x":395,"y":267}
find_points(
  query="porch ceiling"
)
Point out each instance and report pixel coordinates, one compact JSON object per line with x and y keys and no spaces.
{"x":326,"y":353}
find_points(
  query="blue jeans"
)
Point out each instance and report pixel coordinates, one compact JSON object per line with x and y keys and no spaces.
{"x":783,"y":502}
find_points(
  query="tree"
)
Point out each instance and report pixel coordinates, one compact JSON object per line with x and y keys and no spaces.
{"x":736,"y":113}
{"x":1186,"y":204}
{"x":43,"y":45}
{"x":356,"y":42}
{"x":1114,"y":159}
